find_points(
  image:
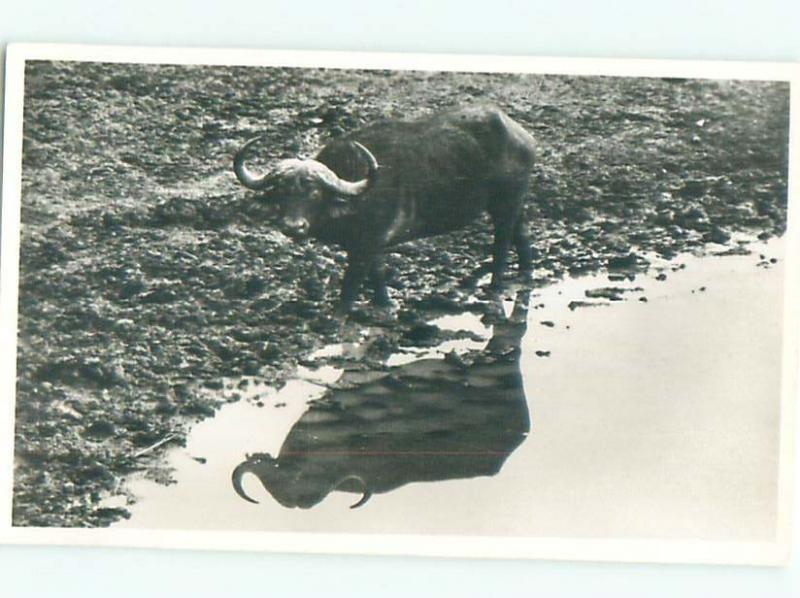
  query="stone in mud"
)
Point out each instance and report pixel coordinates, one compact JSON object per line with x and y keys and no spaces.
{"x":693,"y":189}
{"x":269,"y":351}
{"x":610,"y":293}
{"x":664,"y":217}
{"x":116,"y":375}
{"x":247,"y":335}
{"x":455,"y":359}
{"x":677,"y":232}
{"x":623,"y":262}
{"x":717,"y":235}
{"x":175,"y":211}
{"x":694,"y":218}
{"x":422,"y":334}
{"x":165,"y":407}
{"x":100,"y":430}
{"x":440,"y":303}
{"x":131,"y":288}
{"x":102,"y":375}
{"x":160,"y":294}
{"x":573,"y":305}
{"x":251,"y":367}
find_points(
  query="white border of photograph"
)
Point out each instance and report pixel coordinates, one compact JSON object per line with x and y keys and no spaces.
{"x":772,"y":553}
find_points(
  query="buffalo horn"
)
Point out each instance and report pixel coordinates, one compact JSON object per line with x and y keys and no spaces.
{"x":341,"y":187}
{"x":367,"y":493}
{"x":236,"y":478}
{"x":245,"y":176}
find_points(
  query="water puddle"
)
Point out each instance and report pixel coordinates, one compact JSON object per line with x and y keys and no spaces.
{"x":653,"y":400}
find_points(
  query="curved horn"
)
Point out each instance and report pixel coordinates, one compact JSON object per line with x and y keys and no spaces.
{"x":245,"y":176}
{"x":236,"y":478}
{"x":367,"y":493}
{"x":342,"y":187}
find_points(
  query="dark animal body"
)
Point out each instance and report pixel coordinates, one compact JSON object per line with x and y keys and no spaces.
{"x":430,"y":420}
{"x":397,"y":181}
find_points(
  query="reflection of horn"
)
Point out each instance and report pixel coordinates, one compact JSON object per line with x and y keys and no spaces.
{"x":367,"y":493}
{"x":236,"y":478}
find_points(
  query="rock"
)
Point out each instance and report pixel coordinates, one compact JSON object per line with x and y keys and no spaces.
{"x":717,"y":234}
{"x":269,"y":351}
{"x":251,"y":367}
{"x":161,"y":294}
{"x":100,"y":430}
{"x":692,"y":189}
{"x":623,"y":262}
{"x":573,"y":305}
{"x":117,"y":376}
{"x":610,"y":293}
{"x":131,"y":288}
{"x":422,"y":334}
{"x":455,"y":359}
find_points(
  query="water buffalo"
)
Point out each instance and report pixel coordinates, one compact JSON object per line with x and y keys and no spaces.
{"x":397,"y":181}
{"x":430,"y":420}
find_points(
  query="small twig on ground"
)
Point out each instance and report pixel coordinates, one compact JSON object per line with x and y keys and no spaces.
{"x":152,"y":447}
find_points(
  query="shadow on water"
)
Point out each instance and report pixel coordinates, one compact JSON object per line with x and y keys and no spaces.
{"x":428,"y":420}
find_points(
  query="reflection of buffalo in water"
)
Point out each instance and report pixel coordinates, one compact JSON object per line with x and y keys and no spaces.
{"x":429,"y":420}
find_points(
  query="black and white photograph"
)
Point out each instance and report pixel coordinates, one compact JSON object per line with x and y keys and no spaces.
{"x":334,"y":301}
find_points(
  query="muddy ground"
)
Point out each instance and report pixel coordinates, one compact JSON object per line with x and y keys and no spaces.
{"x":147,"y":272}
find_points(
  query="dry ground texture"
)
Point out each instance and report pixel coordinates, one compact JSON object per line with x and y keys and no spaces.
{"x":148,"y":274}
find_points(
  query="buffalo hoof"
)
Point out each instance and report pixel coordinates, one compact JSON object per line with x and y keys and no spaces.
{"x":385,"y":312}
{"x":342,"y":311}
{"x":490,"y":292}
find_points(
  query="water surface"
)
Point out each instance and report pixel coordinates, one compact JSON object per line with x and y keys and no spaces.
{"x":650,"y":414}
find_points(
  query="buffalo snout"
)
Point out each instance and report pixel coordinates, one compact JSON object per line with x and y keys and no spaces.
{"x":296,"y":228}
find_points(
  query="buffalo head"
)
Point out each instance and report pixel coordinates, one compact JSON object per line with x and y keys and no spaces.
{"x":294,"y":484}
{"x":304,"y":188}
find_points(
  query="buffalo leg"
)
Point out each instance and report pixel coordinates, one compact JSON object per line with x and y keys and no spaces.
{"x":357,"y":269}
{"x":503,"y":232}
{"x":377,"y":278}
{"x":523,"y":246}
